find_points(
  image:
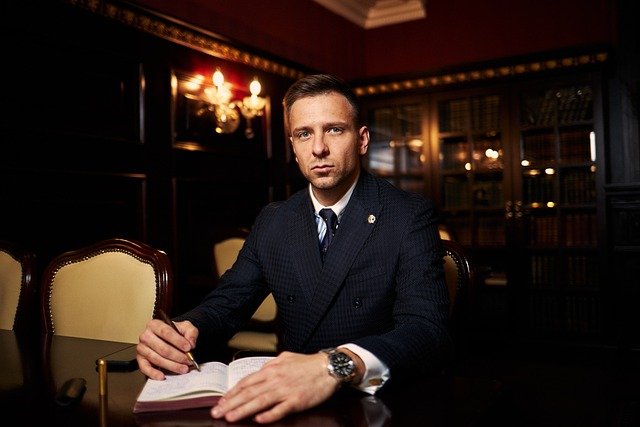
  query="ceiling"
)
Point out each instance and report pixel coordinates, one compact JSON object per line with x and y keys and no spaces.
{"x":377,"y":13}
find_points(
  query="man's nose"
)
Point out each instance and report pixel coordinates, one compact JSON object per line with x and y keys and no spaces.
{"x":320,"y":148}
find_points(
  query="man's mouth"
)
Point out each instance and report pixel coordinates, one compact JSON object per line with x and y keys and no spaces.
{"x":321,"y":168}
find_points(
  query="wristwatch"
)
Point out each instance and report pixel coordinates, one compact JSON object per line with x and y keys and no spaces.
{"x":341,"y":365}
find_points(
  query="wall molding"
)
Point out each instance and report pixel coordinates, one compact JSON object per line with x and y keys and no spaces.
{"x":481,"y":74}
{"x":181,"y":33}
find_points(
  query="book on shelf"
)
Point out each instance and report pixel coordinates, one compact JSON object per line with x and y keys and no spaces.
{"x":195,"y":389}
{"x":453,"y":115}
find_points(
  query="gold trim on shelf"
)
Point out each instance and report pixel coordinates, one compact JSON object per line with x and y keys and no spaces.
{"x":182,"y":34}
{"x":480,"y":75}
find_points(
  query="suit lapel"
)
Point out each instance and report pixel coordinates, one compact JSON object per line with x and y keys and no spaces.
{"x":302,"y":238}
{"x":355,"y":226}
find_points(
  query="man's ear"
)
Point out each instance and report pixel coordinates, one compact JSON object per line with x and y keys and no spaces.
{"x":293,"y":149}
{"x":363,"y":140}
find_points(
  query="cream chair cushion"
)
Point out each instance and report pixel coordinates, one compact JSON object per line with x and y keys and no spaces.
{"x":256,"y":341}
{"x":267,"y":311}
{"x":10,"y":285}
{"x":110,"y":296}
{"x":226,"y":253}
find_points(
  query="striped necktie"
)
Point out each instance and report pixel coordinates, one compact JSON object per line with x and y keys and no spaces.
{"x":330,"y":217}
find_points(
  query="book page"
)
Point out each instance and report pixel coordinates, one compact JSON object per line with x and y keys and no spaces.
{"x":210,"y":380}
{"x":240,"y":368}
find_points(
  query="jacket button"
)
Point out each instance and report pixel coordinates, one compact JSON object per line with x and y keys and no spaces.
{"x":357,"y":302}
{"x":291,"y":298}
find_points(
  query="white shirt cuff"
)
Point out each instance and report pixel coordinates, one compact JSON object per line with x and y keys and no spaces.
{"x":376,"y":373}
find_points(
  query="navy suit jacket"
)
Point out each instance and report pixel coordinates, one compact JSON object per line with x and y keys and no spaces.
{"x":381,"y":286}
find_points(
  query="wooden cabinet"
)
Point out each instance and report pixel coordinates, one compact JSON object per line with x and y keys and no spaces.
{"x":557,"y":175}
{"x":514,"y":171}
{"x":472,"y":150}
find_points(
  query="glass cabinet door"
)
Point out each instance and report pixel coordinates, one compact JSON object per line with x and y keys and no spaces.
{"x":396,"y":149}
{"x":471,"y":149}
{"x":559,"y":222}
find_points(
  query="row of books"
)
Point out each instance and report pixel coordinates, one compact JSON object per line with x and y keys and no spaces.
{"x":539,"y":147}
{"x":543,"y":270}
{"x":479,"y":113}
{"x":485,"y":112}
{"x":574,"y":271}
{"x":573,"y":315}
{"x":537,"y":189}
{"x":579,"y":230}
{"x":578,"y":187}
{"x":452,"y":115}
{"x":543,"y":230}
{"x":582,"y":271}
{"x":575,"y":146}
{"x":388,"y":123}
{"x":559,"y":106}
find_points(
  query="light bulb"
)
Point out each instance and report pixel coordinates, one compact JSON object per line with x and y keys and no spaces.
{"x":255,"y":87}
{"x":218,"y":78}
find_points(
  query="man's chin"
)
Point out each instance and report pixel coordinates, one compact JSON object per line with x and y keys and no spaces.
{"x":323,"y":183}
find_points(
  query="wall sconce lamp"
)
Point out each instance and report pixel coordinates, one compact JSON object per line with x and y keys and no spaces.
{"x":226,"y":111}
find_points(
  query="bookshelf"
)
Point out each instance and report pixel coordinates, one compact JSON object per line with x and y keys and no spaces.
{"x":560,"y":295}
{"x":471,"y":151}
{"x":512,"y":168}
{"x":471,"y":161}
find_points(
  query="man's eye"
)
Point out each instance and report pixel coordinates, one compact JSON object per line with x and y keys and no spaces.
{"x":335,"y":130}
{"x":302,"y":135}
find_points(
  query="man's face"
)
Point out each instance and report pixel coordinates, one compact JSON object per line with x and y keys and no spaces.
{"x":326,"y":144}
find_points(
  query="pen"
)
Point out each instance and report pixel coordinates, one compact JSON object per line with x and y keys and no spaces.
{"x":168,"y":321}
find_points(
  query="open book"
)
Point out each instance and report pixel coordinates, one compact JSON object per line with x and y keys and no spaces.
{"x":195,"y":389}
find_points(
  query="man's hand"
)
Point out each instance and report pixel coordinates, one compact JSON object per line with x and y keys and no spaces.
{"x":161,"y":347}
{"x":289,"y":383}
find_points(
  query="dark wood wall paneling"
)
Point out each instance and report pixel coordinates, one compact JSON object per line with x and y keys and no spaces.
{"x":88,"y":148}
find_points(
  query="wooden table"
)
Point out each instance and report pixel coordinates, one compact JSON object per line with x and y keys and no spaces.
{"x":32,"y":370}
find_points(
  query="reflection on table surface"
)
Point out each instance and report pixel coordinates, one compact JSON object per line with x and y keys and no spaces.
{"x":32,"y":370}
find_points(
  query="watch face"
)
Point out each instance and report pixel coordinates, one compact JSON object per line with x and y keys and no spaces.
{"x":342,"y":365}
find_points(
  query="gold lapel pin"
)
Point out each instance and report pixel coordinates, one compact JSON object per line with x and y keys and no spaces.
{"x":371,"y":219}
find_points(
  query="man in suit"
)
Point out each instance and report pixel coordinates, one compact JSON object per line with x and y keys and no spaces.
{"x":370,"y":308}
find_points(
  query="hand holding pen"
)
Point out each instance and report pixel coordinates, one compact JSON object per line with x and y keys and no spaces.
{"x":163,"y":316}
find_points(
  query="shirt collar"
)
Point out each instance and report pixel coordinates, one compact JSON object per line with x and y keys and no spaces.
{"x":339,"y":206}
